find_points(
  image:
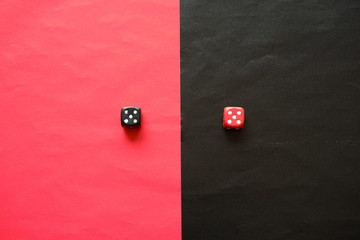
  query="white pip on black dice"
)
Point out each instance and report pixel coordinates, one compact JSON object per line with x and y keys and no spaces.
{"x":130,"y":117}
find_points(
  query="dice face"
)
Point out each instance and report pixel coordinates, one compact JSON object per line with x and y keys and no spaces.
{"x":130,"y":117}
{"x":233,"y":117}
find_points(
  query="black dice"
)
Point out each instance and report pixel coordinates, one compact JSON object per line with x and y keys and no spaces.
{"x":130,"y":117}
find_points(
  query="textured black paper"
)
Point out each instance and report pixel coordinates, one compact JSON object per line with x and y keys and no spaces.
{"x":293,"y":172}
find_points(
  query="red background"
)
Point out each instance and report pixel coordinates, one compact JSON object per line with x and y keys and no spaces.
{"x":68,"y":169}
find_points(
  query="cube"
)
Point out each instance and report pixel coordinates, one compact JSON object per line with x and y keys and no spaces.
{"x":233,"y":117}
{"x":131,"y":117}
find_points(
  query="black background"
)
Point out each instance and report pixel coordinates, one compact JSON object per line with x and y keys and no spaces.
{"x":293,"y":172}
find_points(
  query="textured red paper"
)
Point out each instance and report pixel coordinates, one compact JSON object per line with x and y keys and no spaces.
{"x":68,"y":169}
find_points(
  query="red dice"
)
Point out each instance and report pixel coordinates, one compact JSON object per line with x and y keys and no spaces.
{"x":233,"y":117}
